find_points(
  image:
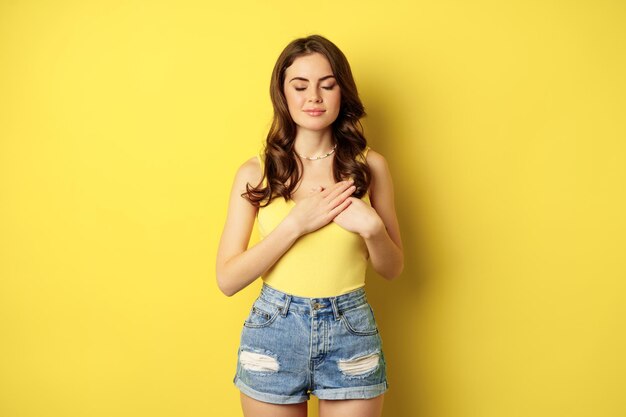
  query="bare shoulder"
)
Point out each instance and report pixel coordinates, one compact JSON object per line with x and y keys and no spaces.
{"x":381,"y":175}
{"x":249,"y":172}
{"x":381,"y":186}
{"x":375,"y":160}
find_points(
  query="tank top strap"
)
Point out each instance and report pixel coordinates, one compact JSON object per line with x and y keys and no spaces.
{"x":363,"y":155}
{"x":261,"y":157}
{"x":367,"y":148}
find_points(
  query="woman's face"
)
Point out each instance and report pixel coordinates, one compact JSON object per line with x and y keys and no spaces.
{"x":310,"y":85}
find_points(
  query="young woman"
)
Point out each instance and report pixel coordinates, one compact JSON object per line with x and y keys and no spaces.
{"x":325,"y":208}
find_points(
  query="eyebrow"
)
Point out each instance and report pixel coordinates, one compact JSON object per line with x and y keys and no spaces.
{"x":304,"y":79}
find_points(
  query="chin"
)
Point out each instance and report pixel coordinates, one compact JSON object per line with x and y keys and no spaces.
{"x":316,"y":128}
{"x":319,"y":125}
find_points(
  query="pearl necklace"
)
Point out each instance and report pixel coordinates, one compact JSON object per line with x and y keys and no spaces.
{"x":317,"y":157}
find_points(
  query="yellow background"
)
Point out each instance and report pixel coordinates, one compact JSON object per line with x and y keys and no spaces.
{"x":122,"y":124}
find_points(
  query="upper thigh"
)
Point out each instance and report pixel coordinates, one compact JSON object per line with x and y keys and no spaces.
{"x":256,"y":408}
{"x":372,"y":407}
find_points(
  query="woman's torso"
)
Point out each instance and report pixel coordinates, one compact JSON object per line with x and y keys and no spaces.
{"x":326,"y":262}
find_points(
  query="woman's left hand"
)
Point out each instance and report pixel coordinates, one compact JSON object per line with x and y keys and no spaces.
{"x":359,"y":217}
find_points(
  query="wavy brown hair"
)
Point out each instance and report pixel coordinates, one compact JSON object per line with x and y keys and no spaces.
{"x":281,"y":162}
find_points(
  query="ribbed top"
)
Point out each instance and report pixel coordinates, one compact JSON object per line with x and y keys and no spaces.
{"x":324,"y":263}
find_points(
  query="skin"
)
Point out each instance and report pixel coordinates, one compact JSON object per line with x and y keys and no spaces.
{"x":318,"y":201}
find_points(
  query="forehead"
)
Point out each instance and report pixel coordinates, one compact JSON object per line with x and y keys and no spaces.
{"x":310,"y":66}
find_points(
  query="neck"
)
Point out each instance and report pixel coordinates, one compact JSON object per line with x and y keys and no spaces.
{"x":313,"y":143}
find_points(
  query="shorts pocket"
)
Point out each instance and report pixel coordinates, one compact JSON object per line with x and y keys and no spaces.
{"x":360,"y":320}
{"x":262,"y":314}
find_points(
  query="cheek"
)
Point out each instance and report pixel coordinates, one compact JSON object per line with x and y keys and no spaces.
{"x":292,"y":100}
{"x":336,"y":99}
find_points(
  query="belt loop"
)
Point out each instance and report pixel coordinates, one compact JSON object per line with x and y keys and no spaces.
{"x":286,"y":306}
{"x":333,"y":302}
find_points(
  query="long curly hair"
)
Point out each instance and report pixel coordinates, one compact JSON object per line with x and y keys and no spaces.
{"x":281,"y":162}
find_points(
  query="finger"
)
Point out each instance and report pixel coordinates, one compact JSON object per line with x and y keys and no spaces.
{"x":341,"y":207}
{"x":336,"y":189}
{"x":336,"y":186}
{"x":344,"y":195}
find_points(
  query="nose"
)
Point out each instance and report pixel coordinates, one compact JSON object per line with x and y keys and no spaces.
{"x":315,"y":97}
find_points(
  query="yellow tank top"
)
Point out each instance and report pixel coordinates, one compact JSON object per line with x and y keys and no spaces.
{"x":324,"y":263}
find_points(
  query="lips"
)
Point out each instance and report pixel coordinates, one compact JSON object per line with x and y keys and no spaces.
{"x":315,"y":112}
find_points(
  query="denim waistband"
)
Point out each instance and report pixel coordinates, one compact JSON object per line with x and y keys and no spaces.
{"x":314,"y":306}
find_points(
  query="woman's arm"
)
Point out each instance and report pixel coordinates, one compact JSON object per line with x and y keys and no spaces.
{"x":383,"y":241}
{"x":237,"y":266}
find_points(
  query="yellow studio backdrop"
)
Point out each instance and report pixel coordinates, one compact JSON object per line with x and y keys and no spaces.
{"x":122,"y":124}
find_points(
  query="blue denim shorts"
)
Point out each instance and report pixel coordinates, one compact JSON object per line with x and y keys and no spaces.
{"x":292,"y":347}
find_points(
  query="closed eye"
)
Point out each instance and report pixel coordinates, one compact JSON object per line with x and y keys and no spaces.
{"x":304,"y":88}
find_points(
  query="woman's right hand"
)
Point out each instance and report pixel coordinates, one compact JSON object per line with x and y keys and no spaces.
{"x":321,"y":206}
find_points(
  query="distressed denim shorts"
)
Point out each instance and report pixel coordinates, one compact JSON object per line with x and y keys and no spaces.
{"x":292,"y":347}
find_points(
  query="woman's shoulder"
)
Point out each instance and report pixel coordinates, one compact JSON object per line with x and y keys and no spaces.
{"x":251,"y":170}
{"x":374,"y":159}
